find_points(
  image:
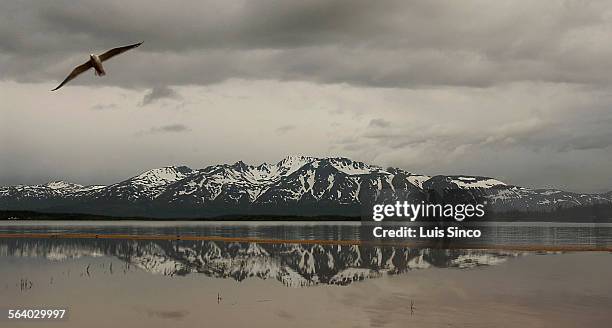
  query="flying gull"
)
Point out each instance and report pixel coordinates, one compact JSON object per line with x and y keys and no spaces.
{"x":95,"y":62}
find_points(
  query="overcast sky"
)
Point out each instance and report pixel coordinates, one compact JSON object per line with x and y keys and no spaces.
{"x":518,"y":90}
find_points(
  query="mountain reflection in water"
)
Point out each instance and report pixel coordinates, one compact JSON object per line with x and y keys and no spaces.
{"x":294,"y":265}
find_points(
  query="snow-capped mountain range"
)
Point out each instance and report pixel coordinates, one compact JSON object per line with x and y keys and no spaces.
{"x":294,"y":265}
{"x":297,"y":185}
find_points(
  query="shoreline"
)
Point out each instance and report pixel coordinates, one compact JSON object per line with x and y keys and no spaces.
{"x":51,"y":216}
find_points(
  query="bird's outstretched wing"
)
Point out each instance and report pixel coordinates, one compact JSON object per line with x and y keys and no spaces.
{"x":75,"y":72}
{"x":116,"y":51}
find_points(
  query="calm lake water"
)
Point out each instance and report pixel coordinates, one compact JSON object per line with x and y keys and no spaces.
{"x":180,"y":283}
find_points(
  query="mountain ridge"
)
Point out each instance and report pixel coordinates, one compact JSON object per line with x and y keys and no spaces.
{"x":296,"y":185}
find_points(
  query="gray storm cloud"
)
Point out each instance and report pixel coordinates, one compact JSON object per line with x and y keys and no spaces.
{"x":518,"y":90}
{"x":371,"y":43}
{"x":158,"y":93}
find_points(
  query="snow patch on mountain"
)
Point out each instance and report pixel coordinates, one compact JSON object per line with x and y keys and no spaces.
{"x":55,"y":185}
{"x":417,"y":179}
{"x":475,"y":182}
{"x":161,"y":176}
